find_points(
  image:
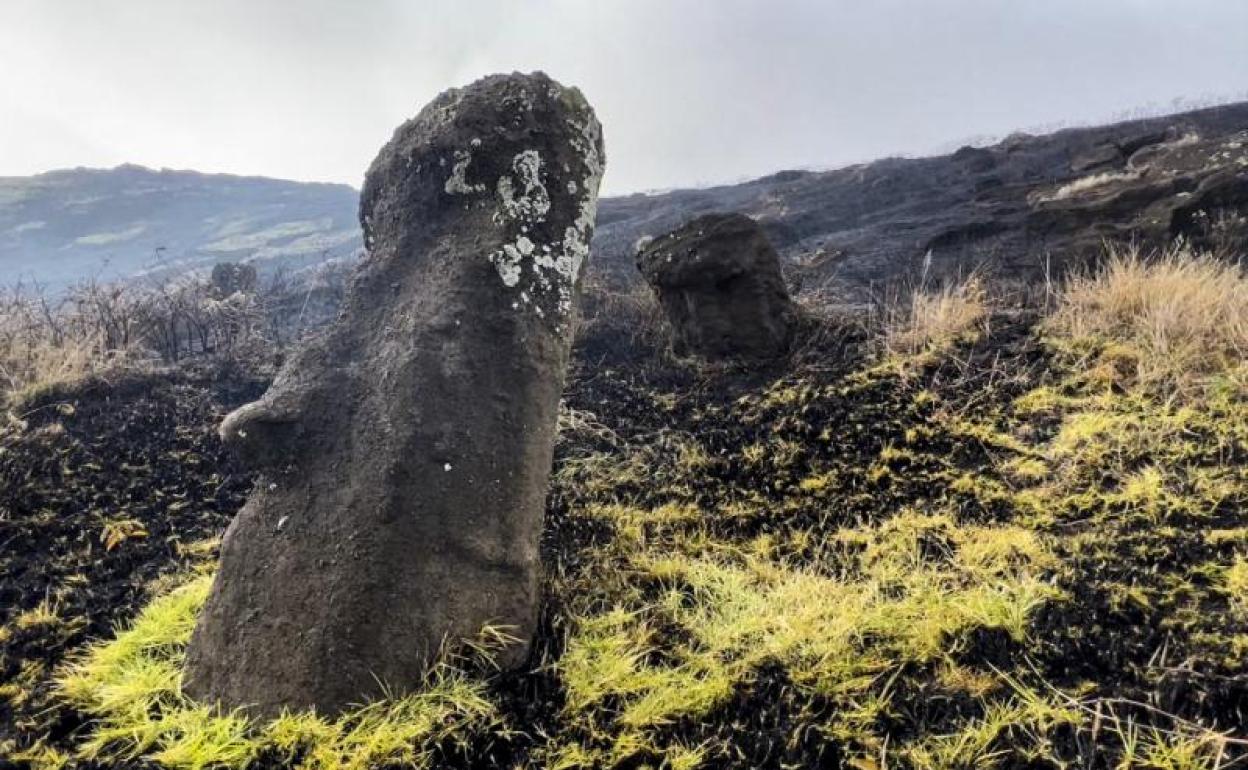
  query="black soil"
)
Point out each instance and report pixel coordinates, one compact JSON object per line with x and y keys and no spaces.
{"x":143,"y":450}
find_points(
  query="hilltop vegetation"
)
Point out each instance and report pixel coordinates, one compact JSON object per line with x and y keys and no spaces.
{"x":977,"y":530}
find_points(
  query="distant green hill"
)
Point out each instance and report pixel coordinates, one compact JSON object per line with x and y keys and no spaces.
{"x":62,"y":226}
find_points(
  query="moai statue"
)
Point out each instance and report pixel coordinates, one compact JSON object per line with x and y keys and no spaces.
{"x":718,"y":280}
{"x":405,"y":452}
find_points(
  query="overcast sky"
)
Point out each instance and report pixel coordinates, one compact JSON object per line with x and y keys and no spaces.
{"x":689,"y":91}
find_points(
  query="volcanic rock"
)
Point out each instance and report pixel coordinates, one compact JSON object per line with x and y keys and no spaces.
{"x":718,"y":280}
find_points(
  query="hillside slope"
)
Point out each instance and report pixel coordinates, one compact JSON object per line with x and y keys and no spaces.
{"x":63,"y":226}
{"x":1019,"y":207}
{"x":1003,"y":207}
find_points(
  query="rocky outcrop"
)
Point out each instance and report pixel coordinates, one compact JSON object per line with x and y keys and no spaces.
{"x":718,"y":280}
{"x":1168,"y":186}
{"x":405,"y":451}
{"x":1217,"y":210}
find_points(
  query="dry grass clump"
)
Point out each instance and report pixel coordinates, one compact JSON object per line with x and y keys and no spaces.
{"x":1173,"y":320}
{"x":49,"y":339}
{"x":32,"y":362}
{"x":1083,"y":184}
{"x":936,"y":320}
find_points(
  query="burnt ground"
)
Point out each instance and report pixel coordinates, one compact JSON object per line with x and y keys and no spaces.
{"x":145,"y":450}
{"x":104,"y":488}
{"x":996,"y":208}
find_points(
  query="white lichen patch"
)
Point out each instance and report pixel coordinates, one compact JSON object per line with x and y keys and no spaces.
{"x":508,"y":260}
{"x":552,"y":268}
{"x":532,"y":203}
{"x":523,"y":200}
{"x":507,"y":263}
{"x":457,"y":182}
{"x":576,"y":237}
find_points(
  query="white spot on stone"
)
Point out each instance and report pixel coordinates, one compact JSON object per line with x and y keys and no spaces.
{"x":447,"y":467}
{"x":507,"y":263}
{"x":533,"y":202}
{"x":457,"y":183}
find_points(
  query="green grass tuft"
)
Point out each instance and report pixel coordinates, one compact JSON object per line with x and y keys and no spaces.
{"x":132,"y":685}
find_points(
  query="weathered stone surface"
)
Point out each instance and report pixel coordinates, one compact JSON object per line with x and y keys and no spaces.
{"x":719,"y":282}
{"x":405,"y":452}
{"x":1215,"y":215}
{"x":1186,"y":185}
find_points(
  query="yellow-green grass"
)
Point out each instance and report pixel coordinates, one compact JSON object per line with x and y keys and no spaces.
{"x":736,"y":608}
{"x":837,"y":636}
{"x":132,"y":685}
